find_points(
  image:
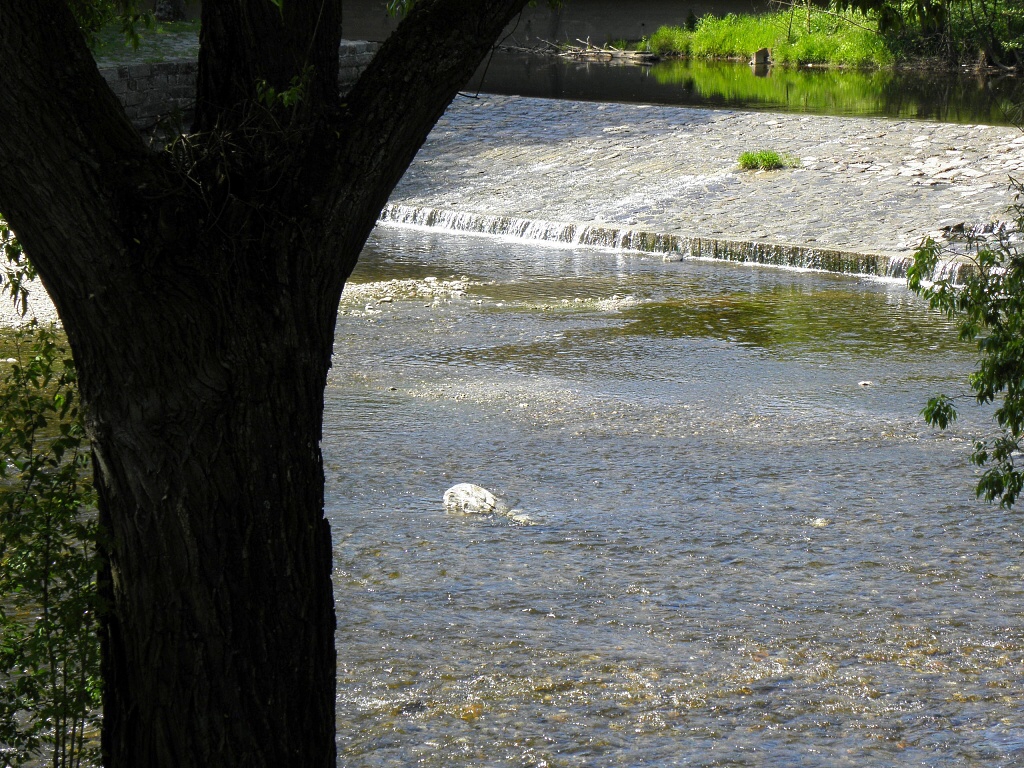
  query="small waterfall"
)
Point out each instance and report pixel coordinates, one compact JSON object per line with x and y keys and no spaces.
{"x":955,"y":268}
{"x":670,"y":247}
{"x":958,"y":245}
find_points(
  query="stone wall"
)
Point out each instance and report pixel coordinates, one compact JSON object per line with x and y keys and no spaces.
{"x":152,"y":93}
{"x":599,"y":20}
{"x":166,"y":91}
{"x":353,"y":57}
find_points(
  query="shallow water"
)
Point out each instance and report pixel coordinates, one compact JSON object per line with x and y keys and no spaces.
{"x":740,"y":555}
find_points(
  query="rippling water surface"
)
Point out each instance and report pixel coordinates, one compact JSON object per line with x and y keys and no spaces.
{"x":740,"y":556}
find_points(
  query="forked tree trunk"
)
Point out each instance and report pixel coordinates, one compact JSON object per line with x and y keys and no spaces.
{"x":199,"y":290}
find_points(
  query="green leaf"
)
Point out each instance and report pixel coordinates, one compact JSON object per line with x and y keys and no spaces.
{"x":940,"y":412}
{"x":986,"y":307}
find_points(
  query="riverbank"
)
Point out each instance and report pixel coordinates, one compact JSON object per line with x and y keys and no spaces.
{"x":983,"y":38}
{"x":667,"y":180}
{"x":812,"y":36}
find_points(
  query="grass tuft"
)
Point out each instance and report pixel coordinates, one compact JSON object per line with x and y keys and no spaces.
{"x":765,"y":160}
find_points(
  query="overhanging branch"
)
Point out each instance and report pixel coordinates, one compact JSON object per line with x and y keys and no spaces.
{"x":68,"y":154}
{"x":401,"y":95}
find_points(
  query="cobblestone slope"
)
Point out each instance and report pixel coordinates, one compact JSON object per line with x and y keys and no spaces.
{"x":864,"y":186}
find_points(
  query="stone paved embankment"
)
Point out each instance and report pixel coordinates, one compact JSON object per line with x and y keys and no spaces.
{"x":863,"y":186}
{"x":154,"y":92}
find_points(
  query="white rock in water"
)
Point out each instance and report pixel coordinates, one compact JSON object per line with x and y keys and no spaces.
{"x":469,"y":499}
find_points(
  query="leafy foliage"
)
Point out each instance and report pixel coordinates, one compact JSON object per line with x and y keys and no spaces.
{"x":957,"y":30}
{"x":288,"y":98}
{"x":860,"y":33}
{"x":18,"y":272}
{"x":987,"y":306}
{"x":93,"y":15}
{"x":826,"y":38}
{"x":49,"y":650}
{"x":399,"y":7}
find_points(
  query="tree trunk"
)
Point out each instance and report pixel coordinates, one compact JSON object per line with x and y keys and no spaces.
{"x":247,"y":42}
{"x":199,"y":289}
{"x":221,"y":649}
{"x":170,"y":10}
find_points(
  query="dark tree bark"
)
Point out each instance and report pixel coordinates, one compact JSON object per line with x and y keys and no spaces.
{"x":199,"y":288}
{"x":170,"y":10}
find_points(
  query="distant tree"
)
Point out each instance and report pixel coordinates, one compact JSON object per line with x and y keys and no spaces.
{"x":989,"y":32}
{"x":199,"y":285}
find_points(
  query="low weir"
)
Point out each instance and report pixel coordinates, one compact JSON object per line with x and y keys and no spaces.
{"x":669,"y":246}
{"x":859,"y":197}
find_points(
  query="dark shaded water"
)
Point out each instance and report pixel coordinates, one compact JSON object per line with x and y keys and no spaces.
{"x":956,"y":97}
{"x":741,"y":556}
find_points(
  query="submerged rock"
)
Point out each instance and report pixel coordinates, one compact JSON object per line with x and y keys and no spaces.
{"x":469,"y":499}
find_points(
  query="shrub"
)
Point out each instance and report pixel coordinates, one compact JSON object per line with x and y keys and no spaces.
{"x":821,"y":38}
{"x":763,"y":159}
{"x":987,"y":306}
{"x":49,"y":650}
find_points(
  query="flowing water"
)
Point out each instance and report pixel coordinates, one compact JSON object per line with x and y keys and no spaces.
{"x":740,"y":554}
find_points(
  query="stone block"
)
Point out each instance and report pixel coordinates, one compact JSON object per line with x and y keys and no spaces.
{"x":149,"y":90}
{"x":140,"y":71}
{"x":119,"y":87}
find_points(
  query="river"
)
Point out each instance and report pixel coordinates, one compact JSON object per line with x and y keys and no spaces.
{"x":748,"y":549}
{"x":952,"y":97}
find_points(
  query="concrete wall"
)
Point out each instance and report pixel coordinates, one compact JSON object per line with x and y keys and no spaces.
{"x":152,"y":93}
{"x":600,"y":20}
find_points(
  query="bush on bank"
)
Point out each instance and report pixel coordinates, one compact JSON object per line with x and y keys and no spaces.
{"x":860,"y":33}
{"x":794,"y":38}
{"x":49,"y":647}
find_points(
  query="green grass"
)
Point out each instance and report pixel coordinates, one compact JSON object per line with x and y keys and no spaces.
{"x":670,"y":40}
{"x":794,"y":38}
{"x":765,"y":160}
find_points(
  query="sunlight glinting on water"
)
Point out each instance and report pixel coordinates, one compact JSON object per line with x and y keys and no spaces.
{"x":741,"y":553}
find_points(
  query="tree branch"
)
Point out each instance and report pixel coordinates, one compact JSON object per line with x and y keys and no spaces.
{"x":243,"y":42}
{"x":62,"y":133}
{"x":402,"y":94}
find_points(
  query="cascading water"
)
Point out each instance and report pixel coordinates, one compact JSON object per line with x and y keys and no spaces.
{"x":668,"y":246}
